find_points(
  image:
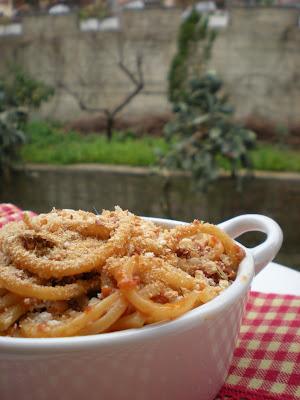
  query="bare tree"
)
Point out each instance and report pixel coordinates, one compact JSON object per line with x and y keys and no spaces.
{"x":136,"y":78}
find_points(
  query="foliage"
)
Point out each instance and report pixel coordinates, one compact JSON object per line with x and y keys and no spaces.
{"x":98,"y":10}
{"x":203,"y":124}
{"x":49,"y":143}
{"x":204,"y":132}
{"x":11,"y":137}
{"x":18,"y":93}
{"x":21,"y":90}
{"x":193,"y":30}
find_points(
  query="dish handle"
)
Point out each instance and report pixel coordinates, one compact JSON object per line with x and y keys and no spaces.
{"x":264,"y":252}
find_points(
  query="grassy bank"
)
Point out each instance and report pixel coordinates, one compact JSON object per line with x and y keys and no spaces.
{"x":51,"y":145}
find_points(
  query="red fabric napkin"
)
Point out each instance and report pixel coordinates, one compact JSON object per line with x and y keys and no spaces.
{"x":10,"y":213}
{"x":266,"y":362}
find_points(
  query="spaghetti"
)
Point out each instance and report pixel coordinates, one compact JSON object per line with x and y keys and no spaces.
{"x":69,"y":273}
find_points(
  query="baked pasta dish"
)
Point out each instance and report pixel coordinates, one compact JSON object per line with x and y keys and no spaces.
{"x":70,"y":273}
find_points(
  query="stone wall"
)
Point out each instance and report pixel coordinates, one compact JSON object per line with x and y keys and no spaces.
{"x":257,"y":54}
{"x":259,"y":59}
{"x":54,"y":49}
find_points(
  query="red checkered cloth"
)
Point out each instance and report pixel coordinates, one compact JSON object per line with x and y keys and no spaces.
{"x":10,"y":213}
{"x":266,"y":362}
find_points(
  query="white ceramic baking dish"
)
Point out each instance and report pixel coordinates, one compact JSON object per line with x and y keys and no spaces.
{"x":187,"y":358}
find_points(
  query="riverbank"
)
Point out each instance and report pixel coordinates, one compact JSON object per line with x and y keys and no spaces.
{"x":51,"y":144}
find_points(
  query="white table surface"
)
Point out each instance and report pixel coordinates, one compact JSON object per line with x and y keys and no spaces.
{"x":276,"y":278}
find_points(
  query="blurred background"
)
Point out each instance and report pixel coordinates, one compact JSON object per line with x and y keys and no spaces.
{"x":169,"y":108}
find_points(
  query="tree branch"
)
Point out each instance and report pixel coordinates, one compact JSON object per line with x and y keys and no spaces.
{"x":79,"y":100}
{"x":127,"y":72}
{"x":138,"y":82}
{"x":136,"y":78}
{"x":139,"y":63}
{"x":127,"y":99}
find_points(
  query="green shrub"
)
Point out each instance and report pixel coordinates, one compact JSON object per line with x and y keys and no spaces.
{"x":98,"y":10}
{"x":202,"y":130}
{"x":18,"y":93}
{"x":205,"y":132}
{"x":193,"y":30}
{"x":11,"y":138}
{"x":21,"y":90}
